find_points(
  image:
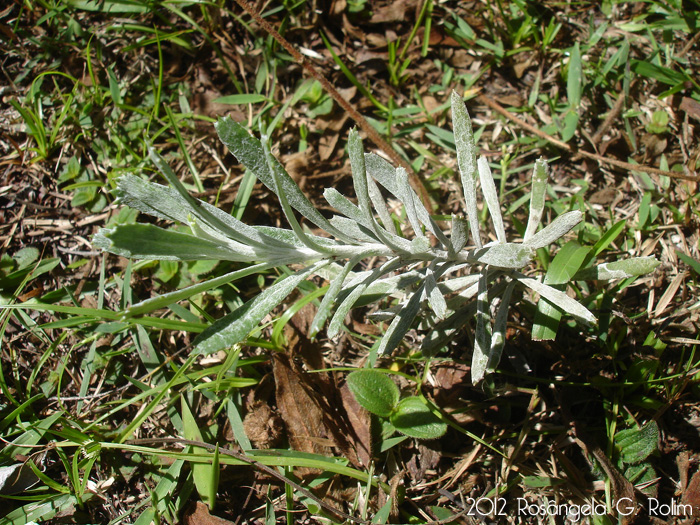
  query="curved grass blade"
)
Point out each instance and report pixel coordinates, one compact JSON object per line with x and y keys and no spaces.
{"x":562,"y":268}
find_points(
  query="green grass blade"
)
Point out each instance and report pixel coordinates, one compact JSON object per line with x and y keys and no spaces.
{"x":561,"y":270}
{"x":161,"y":301}
{"x":205,"y":479}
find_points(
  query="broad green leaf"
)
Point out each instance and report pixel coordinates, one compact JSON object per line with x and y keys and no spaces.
{"x":168,"y":203}
{"x":559,"y":298}
{"x":458,"y":238}
{"x":466,"y":160}
{"x":509,"y":255}
{"x":488,"y":187}
{"x":205,"y":479}
{"x":555,"y":230}
{"x":374,"y":391}
{"x":694,"y":264}
{"x":482,"y":338}
{"x":110,"y":6}
{"x":607,"y":238}
{"x":561,"y":270}
{"x":331,"y":295}
{"x":413,"y":418}
{"x":660,"y":73}
{"x":498,"y":338}
{"x":401,"y":323}
{"x":618,"y":269}
{"x":249,"y":151}
{"x":637,"y":444}
{"x":146,"y":241}
{"x":570,"y":125}
{"x":236,"y":326}
{"x":44,"y":510}
{"x":406,"y":196}
{"x":537,"y":197}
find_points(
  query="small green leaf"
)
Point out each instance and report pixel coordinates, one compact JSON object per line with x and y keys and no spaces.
{"x":413,"y":418}
{"x":374,"y":391}
{"x":637,"y":444}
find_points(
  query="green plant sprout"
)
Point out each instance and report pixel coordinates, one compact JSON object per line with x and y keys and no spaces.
{"x":377,"y":393}
{"x":431,"y":275}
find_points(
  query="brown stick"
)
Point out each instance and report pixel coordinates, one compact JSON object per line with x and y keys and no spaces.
{"x":600,"y":158}
{"x":609,"y":119}
{"x":330,"y":89}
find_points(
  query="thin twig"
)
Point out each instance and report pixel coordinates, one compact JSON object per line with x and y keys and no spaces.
{"x":365,"y":126}
{"x":600,"y":158}
{"x":609,"y":119}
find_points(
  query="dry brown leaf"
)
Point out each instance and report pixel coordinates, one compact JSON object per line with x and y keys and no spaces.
{"x":360,"y":436}
{"x":393,"y":12}
{"x":331,"y":133}
{"x":691,"y":496}
{"x":263,"y":426}
{"x":344,"y":423}
{"x":300,"y":411}
{"x":691,"y":107}
{"x":198,"y":514}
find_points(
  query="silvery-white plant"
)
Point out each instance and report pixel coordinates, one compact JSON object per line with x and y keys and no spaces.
{"x":445,"y":280}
